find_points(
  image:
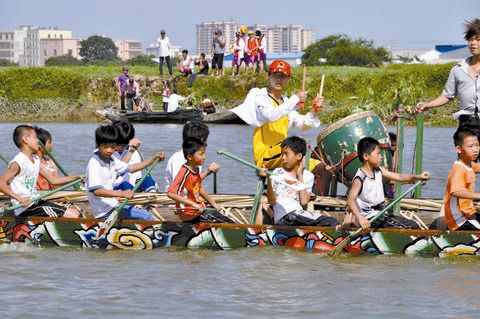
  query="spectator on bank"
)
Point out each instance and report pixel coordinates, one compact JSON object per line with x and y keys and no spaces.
{"x":238,"y":52}
{"x":262,"y":51}
{"x":203,"y":69}
{"x":165,"y":96}
{"x":218,"y":51}
{"x":122,"y":81}
{"x":207,"y":105}
{"x":132,"y":93}
{"x":164,"y":46}
{"x":174,"y":100}
{"x":186,"y":66}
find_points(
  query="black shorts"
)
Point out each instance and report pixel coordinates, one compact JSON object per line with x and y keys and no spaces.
{"x":293,"y":219}
{"x":217,"y":61}
{"x":210,"y":215}
{"x":44,"y":208}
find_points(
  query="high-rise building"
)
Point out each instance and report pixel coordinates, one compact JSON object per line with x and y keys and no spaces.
{"x":128,"y":49}
{"x":206,"y":31}
{"x":280,"y":38}
{"x":34,"y":53}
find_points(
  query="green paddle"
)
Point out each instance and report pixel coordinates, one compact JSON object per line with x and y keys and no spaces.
{"x":339,"y":248}
{"x":3,"y":159}
{"x":60,"y":167}
{"x":36,"y":199}
{"x":150,"y":174}
{"x":112,"y":219}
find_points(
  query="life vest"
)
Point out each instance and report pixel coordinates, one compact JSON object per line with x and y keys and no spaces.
{"x":267,"y":140}
{"x":252,"y":44}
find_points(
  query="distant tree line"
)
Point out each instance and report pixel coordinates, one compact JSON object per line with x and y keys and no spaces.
{"x":339,"y":49}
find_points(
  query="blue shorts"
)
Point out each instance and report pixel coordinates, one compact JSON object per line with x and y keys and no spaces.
{"x":148,"y":185}
{"x":130,"y":212}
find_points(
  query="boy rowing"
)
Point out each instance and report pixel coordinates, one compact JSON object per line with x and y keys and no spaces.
{"x":19,"y":181}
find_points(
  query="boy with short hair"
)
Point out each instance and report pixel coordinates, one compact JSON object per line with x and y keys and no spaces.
{"x":197,"y":130}
{"x":187,"y":190}
{"x":288,"y":203}
{"x":46,"y":138}
{"x":102,"y":171}
{"x":460,"y":212}
{"x":127,"y":151}
{"x":366,"y":197}
{"x":19,"y":181}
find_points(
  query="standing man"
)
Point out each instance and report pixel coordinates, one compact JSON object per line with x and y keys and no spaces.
{"x":164,"y":45}
{"x":272,"y":114}
{"x":218,"y":51}
{"x":122,"y":82}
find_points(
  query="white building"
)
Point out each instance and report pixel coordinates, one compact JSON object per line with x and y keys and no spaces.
{"x":11,"y":44}
{"x":153,"y":49}
{"x":291,"y":38}
{"x":34,"y":54}
{"x":128,"y":49}
{"x":206,"y":30}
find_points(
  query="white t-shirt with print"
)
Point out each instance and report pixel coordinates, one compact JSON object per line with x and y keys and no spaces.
{"x":288,"y":199}
{"x":24,"y":183}
{"x":103,"y":175}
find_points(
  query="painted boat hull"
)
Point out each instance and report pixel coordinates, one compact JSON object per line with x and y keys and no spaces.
{"x":128,"y":235}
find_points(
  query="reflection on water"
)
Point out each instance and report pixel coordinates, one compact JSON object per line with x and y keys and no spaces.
{"x":262,"y":282}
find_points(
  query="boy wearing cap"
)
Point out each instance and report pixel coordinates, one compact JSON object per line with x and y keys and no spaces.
{"x":122,"y":82}
{"x":218,"y":50}
{"x":238,"y":50}
{"x":272,"y":114}
{"x":164,"y":54}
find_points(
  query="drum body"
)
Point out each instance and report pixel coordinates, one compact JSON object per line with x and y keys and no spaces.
{"x":338,"y":143}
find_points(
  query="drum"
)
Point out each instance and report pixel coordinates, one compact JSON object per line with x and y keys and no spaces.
{"x":338,"y":143}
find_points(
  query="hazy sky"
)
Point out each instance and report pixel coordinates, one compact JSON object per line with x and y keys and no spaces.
{"x":398,"y":24}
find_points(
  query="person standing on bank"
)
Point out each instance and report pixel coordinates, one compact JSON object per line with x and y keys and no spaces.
{"x":122,"y":82}
{"x":463,"y":82}
{"x":218,"y":51}
{"x":164,"y":46}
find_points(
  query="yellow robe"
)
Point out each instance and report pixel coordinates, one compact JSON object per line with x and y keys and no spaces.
{"x":267,"y":140}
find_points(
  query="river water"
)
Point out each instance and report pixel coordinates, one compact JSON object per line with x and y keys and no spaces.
{"x":260,"y":283}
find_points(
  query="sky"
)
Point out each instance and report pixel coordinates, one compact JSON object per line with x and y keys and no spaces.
{"x":401,"y":24}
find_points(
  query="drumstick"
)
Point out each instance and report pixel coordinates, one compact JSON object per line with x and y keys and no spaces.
{"x":304,"y":79}
{"x":321,"y":85}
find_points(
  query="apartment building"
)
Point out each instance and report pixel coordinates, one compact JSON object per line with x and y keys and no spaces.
{"x":34,"y":53}
{"x":206,"y":30}
{"x":54,"y":47}
{"x":128,"y":49}
{"x":11,"y":44}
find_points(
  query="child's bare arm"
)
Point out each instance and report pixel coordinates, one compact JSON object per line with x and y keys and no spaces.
{"x":212,"y":168}
{"x":139,"y":166}
{"x":207,"y":197}
{"x":404,"y":177}
{"x":102,"y":192}
{"x":58,"y":180}
{"x":352,"y":203}
{"x":179,"y":199}
{"x":12,"y":171}
{"x":466,"y":195}
{"x":272,"y":197}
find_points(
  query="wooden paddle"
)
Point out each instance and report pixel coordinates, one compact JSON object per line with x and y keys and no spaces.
{"x":304,"y":78}
{"x":60,"y":167}
{"x":339,"y":248}
{"x":112,"y":219}
{"x":36,"y":199}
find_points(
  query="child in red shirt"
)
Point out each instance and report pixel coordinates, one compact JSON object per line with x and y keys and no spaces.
{"x":187,"y":190}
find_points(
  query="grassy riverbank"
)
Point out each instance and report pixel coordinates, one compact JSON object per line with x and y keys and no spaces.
{"x":74,"y":93}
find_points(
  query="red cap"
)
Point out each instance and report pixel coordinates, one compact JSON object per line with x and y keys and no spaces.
{"x":279,"y":66}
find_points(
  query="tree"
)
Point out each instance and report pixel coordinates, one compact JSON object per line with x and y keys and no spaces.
{"x":62,"y":60}
{"x":143,"y":59}
{"x":5,"y":62}
{"x":339,"y":49}
{"x":98,"y":48}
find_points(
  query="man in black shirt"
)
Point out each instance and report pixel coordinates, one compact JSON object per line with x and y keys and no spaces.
{"x":203,"y":69}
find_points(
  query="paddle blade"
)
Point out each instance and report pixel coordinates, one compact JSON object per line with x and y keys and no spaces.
{"x":107,"y":224}
{"x":339,"y":248}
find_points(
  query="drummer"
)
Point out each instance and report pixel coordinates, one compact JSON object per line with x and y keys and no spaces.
{"x":464,"y":81}
{"x":272,"y":114}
